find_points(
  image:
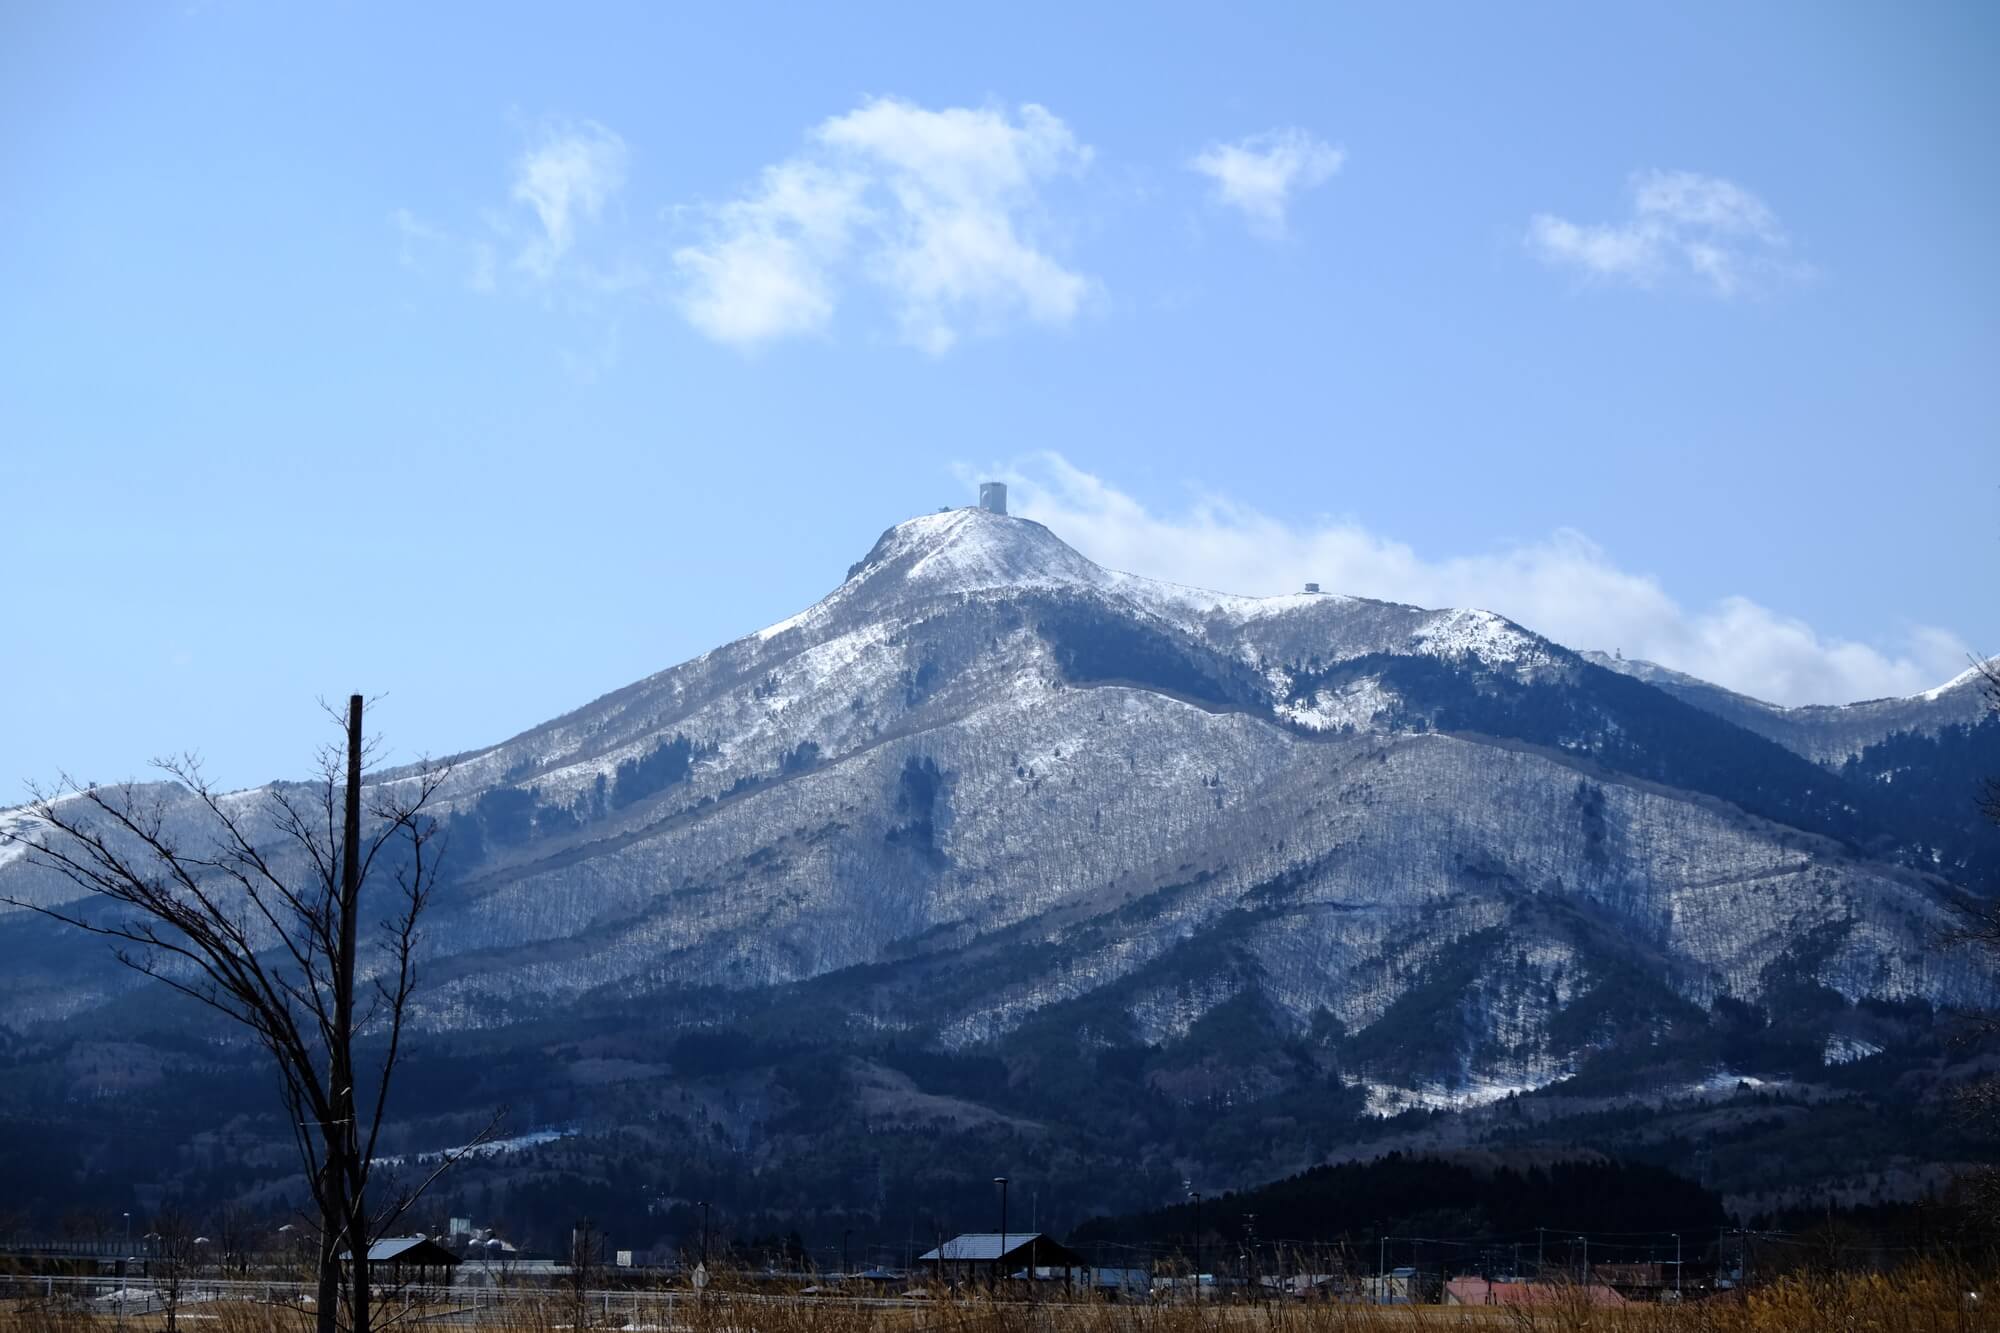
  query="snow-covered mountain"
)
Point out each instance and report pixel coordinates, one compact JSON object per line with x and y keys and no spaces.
{"x":985,"y":783}
{"x":1824,"y":733}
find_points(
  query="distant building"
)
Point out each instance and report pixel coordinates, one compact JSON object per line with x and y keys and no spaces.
{"x":410,"y":1258}
{"x":993,"y":496}
{"x":1398,"y":1286}
{"x":989,"y":1256}
{"x":1312,"y":587}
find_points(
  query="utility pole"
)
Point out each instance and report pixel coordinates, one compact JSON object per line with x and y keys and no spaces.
{"x":1381,"y":1268}
{"x":1197,"y":1246}
{"x":704,"y":1233}
{"x":1538,"y":1252}
{"x":340,"y":1076}
{"x":1586,"y":1261}
{"x":1001,"y":1181}
{"x":1677,"y":1266}
{"x":1251,"y":1275}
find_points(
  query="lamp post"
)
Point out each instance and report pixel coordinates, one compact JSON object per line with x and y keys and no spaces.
{"x":1677,"y":1266}
{"x":704,"y":1233}
{"x":1001,"y":1181}
{"x":846,"y":1267}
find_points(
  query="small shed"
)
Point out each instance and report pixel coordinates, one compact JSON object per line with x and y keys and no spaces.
{"x":416,"y":1259}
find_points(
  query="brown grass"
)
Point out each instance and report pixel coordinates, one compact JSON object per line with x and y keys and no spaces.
{"x":1924,"y":1298}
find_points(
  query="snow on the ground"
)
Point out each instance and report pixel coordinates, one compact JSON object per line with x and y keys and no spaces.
{"x":1480,"y":634}
{"x":1965,"y":677}
{"x":20,"y":821}
{"x":1356,"y":706}
{"x":534,"y":1138}
{"x":1387,"y":1099}
{"x":1846,"y":1050}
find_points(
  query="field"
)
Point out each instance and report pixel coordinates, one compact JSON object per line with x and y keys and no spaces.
{"x":1919,"y":1299}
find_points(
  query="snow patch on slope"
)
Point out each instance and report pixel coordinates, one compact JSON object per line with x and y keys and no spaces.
{"x":1963,"y":678}
{"x":1356,"y":706}
{"x":1387,"y":1099}
{"x":1846,"y":1050}
{"x":1482,"y":634}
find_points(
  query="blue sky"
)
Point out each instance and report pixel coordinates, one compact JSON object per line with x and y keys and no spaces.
{"x":582,"y":339}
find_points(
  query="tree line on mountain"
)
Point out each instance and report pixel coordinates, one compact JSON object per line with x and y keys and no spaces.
{"x":1630,"y":727}
{"x":1931,"y":784}
{"x":1403,"y":1194}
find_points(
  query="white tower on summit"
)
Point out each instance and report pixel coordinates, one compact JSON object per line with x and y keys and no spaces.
{"x":993,"y":496}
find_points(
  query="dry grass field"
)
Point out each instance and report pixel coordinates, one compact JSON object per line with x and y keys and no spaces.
{"x":1920,"y":1299}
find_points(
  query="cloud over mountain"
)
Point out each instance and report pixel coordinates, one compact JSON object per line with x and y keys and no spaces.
{"x":1565,"y":586}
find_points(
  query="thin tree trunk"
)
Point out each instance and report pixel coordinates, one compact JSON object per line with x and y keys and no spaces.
{"x":326,"y":1318}
{"x":358,"y":1227}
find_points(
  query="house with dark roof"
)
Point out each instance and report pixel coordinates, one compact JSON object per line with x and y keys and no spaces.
{"x":991,"y":1256}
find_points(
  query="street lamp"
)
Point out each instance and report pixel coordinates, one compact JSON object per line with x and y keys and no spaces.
{"x":125,"y":1270}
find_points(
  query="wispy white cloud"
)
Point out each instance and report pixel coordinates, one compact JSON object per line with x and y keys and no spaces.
{"x":1564,"y":586}
{"x":766,"y":268}
{"x":1708,"y":227}
{"x":940,"y":210}
{"x":1259,"y":175}
{"x":426,"y":248}
{"x":415,"y":236}
{"x":565,"y":178}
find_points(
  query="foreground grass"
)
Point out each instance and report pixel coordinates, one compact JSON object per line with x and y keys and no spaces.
{"x":1920,"y":1299}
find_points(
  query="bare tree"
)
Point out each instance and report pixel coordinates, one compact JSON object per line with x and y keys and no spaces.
{"x":235,"y":1237}
{"x":586,"y":1269}
{"x":172,"y":1252}
{"x":264,"y":923}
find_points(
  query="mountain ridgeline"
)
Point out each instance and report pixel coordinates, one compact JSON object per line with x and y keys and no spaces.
{"x":997,"y":845}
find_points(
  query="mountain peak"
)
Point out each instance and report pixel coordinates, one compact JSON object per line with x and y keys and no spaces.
{"x":965,"y":550}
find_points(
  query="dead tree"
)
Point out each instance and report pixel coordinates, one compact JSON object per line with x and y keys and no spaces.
{"x":283,"y":928}
{"x":586,"y":1269}
{"x":172,"y":1249}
